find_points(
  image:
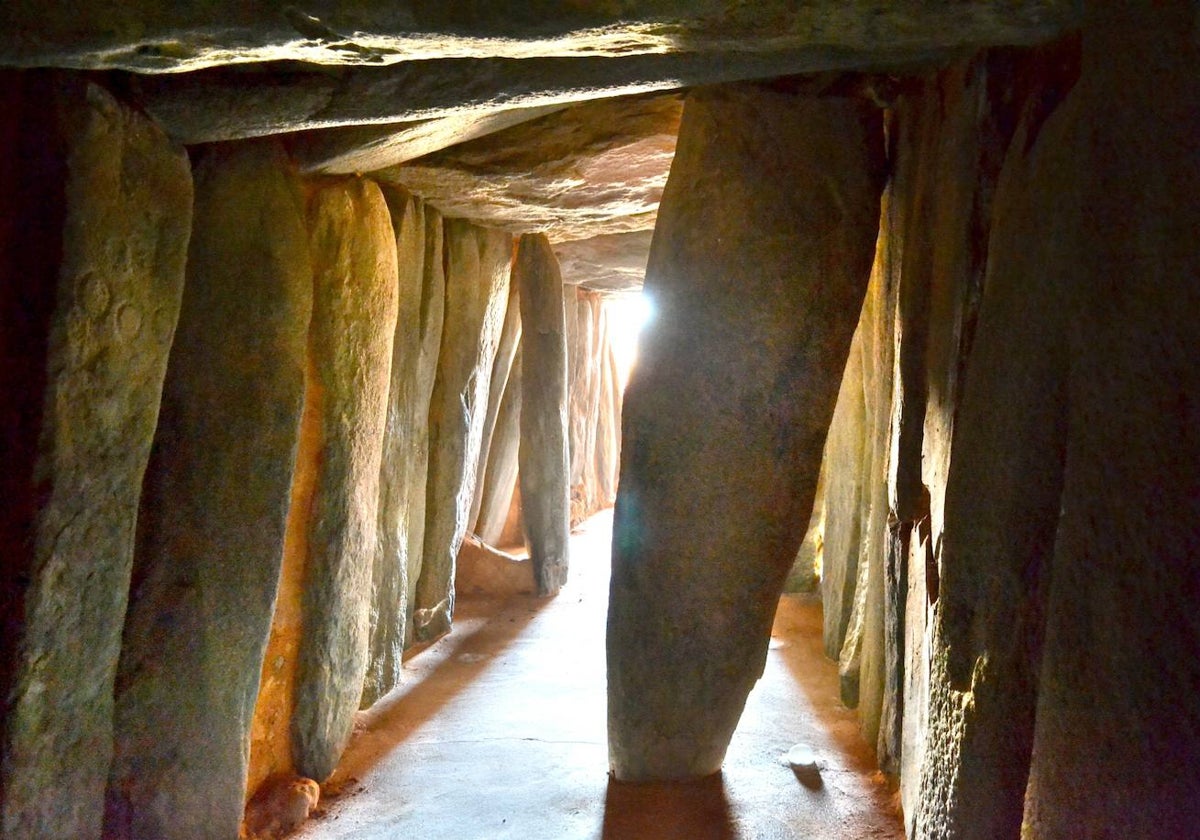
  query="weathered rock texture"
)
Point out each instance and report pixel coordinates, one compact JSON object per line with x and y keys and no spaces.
{"x":231,"y":103}
{"x":727,"y":410}
{"x":611,"y":263}
{"x":593,"y":405}
{"x":214,"y":506}
{"x":142,"y":37}
{"x":896,"y":537}
{"x":499,"y":482}
{"x":1117,"y":736}
{"x":97,"y":213}
{"x":477,"y":284}
{"x":506,"y":351}
{"x":1041,"y":547}
{"x":405,"y":458}
{"x":545,"y":466}
{"x":353,"y":326}
{"x":596,"y":168}
{"x":369,"y":148}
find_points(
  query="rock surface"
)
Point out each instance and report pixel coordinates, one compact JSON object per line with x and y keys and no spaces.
{"x":611,"y":263}
{"x":499,"y":482}
{"x":214,"y":506}
{"x":726,"y":414}
{"x":477,"y":284}
{"x":484,"y":571}
{"x":355,"y":292}
{"x":405,"y":458}
{"x":544,"y":466}
{"x":369,"y":148}
{"x":506,"y":351}
{"x":97,"y":218}
{"x":1117,"y":736}
{"x":593,"y":410}
{"x":592,"y":169}
{"x":143,"y":37}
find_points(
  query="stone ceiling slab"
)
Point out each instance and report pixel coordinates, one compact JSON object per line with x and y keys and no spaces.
{"x":231,"y":103}
{"x":613,"y":263}
{"x":156,"y":36}
{"x":597,"y":168}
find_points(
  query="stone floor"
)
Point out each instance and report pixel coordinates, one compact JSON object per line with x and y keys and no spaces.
{"x":499,"y":732}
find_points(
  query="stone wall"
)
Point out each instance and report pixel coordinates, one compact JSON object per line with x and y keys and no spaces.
{"x":273,"y":452}
{"x":1026,"y":547}
{"x":594,"y":405}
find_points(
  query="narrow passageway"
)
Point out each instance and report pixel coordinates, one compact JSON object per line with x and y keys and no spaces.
{"x":499,"y":732}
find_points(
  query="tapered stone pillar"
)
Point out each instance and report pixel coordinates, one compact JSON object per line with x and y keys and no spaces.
{"x":544,"y":467}
{"x":477,"y":282}
{"x":506,"y":351}
{"x":91,"y":275}
{"x":760,"y":261}
{"x":214,"y":507}
{"x":500,"y":481}
{"x":354,"y":320}
{"x":406,"y":442}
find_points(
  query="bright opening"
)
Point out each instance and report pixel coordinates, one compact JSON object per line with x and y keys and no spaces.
{"x":628,"y":314}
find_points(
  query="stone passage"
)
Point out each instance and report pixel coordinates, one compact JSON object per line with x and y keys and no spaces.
{"x":760,"y":261}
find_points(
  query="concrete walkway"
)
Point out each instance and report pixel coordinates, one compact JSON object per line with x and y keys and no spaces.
{"x":499,"y":732}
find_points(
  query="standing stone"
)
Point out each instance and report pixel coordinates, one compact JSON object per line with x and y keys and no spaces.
{"x":92,"y":248}
{"x":406,"y":439}
{"x":608,"y":428}
{"x":545,"y":470}
{"x":506,"y":350}
{"x":214,"y":506}
{"x":477,"y":283}
{"x":842,"y":513}
{"x":353,"y":325}
{"x":759,"y":266}
{"x":433,"y":313}
{"x":1117,"y":738}
{"x":500,"y":481}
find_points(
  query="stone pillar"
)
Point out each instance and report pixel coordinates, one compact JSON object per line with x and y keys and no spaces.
{"x":96,"y":216}
{"x":354,"y":321}
{"x":214,"y":506}
{"x":406,"y":438}
{"x":1117,"y":735}
{"x":506,"y":351}
{"x":545,"y":471}
{"x":760,"y":261}
{"x":433,"y":315}
{"x":477,"y":282}
{"x":500,"y":480}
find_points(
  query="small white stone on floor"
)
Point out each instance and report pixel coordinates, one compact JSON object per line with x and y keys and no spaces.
{"x":802,"y":759}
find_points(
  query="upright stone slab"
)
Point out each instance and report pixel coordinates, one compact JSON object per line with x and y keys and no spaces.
{"x":477,"y":282}
{"x":758,"y":269}
{"x":843,"y":454}
{"x":214,"y":506}
{"x":506,"y":351}
{"x":96,"y":218}
{"x":433,"y":314}
{"x":500,"y":480}
{"x":353,"y":325}
{"x":545,"y":469}
{"x":1117,"y":738}
{"x":406,"y":438}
